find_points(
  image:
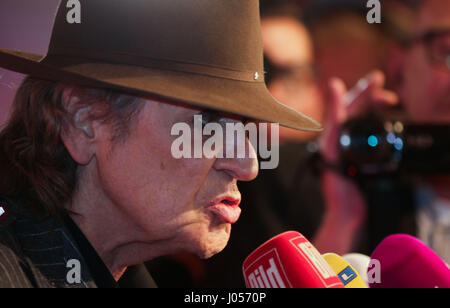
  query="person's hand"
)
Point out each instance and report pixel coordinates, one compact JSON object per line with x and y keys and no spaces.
{"x":345,"y":205}
{"x":343,"y":105}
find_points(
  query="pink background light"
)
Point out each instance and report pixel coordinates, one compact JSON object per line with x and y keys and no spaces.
{"x":24,"y":25}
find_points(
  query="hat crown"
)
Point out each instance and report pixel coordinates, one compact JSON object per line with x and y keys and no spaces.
{"x":204,"y":53}
{"x":218,"y":33}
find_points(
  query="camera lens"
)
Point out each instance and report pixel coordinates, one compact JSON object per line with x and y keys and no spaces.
{"x":371,"y":146}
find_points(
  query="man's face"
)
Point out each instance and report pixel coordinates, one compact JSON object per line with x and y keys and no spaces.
{"x":188,"y":205}
{"x":287,"y":44}
{"x":426,"y":88}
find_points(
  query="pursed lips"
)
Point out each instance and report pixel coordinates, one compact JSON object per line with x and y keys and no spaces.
{"x":226,"y":208}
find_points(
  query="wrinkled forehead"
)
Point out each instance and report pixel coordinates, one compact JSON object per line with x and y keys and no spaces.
{"x":433,"y":15}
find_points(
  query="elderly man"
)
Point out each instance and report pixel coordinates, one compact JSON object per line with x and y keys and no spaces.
{"x":88,"y":179}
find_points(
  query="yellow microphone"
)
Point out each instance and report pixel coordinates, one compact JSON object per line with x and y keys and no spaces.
{"x":345,"y":271}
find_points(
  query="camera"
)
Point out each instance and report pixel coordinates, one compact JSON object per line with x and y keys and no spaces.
{"x":373,"y":146}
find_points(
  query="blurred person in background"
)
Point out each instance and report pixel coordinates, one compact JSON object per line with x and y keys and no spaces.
{"x":422,"y":85}
{"x":346,"y":45}
{"x":291,"y":72}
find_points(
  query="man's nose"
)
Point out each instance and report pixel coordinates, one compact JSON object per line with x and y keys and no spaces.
{"x":240,"y":167}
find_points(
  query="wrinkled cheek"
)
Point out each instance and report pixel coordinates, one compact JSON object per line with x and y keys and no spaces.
{"x":207,"y":238}
{"x":218,"y":240}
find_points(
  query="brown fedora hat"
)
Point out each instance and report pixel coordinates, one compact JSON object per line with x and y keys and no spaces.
{"x":206,"y":53}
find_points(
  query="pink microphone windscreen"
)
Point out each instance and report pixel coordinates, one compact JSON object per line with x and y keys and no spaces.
{"x":406,"y":262}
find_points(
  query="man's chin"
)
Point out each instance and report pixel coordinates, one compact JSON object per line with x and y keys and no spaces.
{"x":215,"y":242}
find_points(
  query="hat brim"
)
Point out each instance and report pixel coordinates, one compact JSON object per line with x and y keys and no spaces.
{"x":248,"y":99}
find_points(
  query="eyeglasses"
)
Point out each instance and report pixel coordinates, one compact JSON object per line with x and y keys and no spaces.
{"x":437,"y":47}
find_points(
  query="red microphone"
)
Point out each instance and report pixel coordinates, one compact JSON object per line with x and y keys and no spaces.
{"x":288,"y":260}
{"x":406,"y":262}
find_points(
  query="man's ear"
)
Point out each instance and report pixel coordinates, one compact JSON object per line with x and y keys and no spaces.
{"x":78,"y":133}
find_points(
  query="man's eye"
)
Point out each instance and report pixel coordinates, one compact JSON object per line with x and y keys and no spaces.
{"x":205,"y":117}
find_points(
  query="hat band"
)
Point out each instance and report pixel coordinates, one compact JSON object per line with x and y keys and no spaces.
{"x":60,"y":56}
